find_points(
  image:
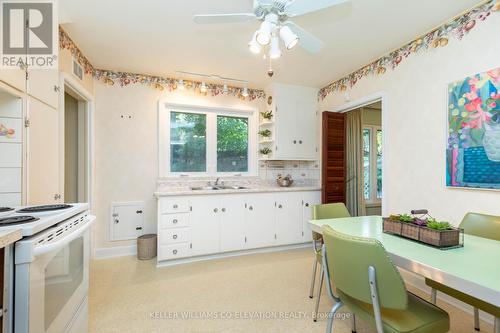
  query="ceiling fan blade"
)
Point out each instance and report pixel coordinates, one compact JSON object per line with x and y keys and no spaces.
{"x":301,"y":7}
{"x":224,"y":18}
{"x":308,"y":41}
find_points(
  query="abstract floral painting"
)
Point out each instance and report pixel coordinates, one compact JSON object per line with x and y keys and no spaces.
{"x":473,"y":150}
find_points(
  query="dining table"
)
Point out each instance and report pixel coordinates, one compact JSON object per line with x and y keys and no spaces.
{"x":473,"y":269}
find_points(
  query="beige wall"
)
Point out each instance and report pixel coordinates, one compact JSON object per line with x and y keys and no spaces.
{"x":126,"y":150}
{"x":66,"y":65}
{"x":414,"y":124}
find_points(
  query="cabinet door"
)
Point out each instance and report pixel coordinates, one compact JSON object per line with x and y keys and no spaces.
{"x":288,"y":218}
{"x":307,"y":133}
{"x":44,"y":85}
{"x":14,"y":77}
{"x":232,"y":230}
{"x":286,"y":129}
{"x":259,"y":220}
{"x":43,"y":154}
{"x":205,"y":221}
{"x":309,"y":199}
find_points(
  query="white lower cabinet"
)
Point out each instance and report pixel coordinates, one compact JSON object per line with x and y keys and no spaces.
{"x":210,"y":224}
{"x":309,"y":199}
{"x":288,"y":218}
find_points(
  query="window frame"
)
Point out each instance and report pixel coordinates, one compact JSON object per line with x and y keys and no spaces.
{"x":211,"y":113}
{"x":373,"y":129}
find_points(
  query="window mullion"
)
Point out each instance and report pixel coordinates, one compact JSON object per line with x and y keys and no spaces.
{"x":211,"y":144}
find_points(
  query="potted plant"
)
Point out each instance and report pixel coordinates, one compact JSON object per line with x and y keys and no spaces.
{"x":265,"y":152}
{"x":267,"y":115}
{"x":266,"y":133}
{"x":392,"y":224}
{"x":441,"y":234}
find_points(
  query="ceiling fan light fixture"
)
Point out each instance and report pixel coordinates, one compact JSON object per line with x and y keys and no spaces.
{"x":289,"y":38}
{"x":274,"y":50}
{"x":254,"y":46}
{"x":263,"y":35}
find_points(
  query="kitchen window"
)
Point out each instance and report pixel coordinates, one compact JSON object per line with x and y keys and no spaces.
{"x":206,"y":142}
{"x":372,"y":163}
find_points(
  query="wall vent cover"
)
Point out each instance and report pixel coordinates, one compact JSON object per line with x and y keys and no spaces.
{"x":77,"y":69}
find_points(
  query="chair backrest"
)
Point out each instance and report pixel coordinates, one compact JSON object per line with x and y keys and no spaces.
{"x":328,"y":211}
{"x":481,"y":225}
{"x":348,"y":259}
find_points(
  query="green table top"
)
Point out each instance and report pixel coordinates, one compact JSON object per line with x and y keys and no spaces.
{"x":473,"y":269}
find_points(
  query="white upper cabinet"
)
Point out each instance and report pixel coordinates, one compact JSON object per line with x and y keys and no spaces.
{"x":43,"y":84}
{"x":14,"y":77}
{"x":295,"y":117}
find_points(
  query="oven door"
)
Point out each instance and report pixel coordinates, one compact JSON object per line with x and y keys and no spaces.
{"x":53,"y":286}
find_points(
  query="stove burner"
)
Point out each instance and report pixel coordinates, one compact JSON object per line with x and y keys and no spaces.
{"x":17,"y":220}
{"x":45,"y":208}
{"x":5,"y":209}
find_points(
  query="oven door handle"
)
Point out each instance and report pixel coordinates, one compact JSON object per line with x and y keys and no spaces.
{"x":43,"y":249}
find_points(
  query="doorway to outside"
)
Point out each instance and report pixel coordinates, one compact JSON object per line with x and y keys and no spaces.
{"x":352,"y":156}
{"x":75,"y":147}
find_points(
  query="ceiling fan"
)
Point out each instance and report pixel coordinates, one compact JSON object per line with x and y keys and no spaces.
{"x":275,"y":16}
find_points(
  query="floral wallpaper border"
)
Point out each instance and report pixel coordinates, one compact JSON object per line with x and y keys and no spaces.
{"x":123,"y":78}
{"x":439,"y":37}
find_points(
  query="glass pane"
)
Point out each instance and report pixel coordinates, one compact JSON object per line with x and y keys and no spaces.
{"x":188,"y":143}
{"x":366,"y":162}
{"x":232,"y":144}
{"x":379,"y":164}
{"x":63,"y":275}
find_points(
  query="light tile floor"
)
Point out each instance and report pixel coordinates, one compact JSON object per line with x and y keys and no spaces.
{"x":127,"y":295}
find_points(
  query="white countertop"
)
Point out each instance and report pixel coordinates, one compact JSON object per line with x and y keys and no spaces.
{"x":176,"y":191}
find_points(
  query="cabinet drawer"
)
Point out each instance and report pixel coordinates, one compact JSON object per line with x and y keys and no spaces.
{"x":170,"y":206}
{"x":168,"y":221}
{"x":176,"y":251}
{"x":174,"y":236}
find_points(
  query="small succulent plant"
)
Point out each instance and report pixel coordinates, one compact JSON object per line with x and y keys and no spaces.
{"x":265,"y":133}
{"x":268,"y":115}
{"x":436,"y":225}
{"x":265,"y":151}
{"x":406,"y":218}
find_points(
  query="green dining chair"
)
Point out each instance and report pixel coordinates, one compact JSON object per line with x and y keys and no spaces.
{"x":480,"y":225}
{"x":369,"y":284}
{"x":321,"y":212}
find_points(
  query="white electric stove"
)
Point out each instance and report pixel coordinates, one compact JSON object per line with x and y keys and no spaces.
{"x":50,"y":268}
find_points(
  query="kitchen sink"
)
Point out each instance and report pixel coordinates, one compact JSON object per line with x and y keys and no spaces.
{"x":217,"y":188}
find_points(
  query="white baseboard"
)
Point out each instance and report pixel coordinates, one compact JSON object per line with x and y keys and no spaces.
{"x":418,"y":282}
{"x":167,"y":263}
{"x":116,"y":251}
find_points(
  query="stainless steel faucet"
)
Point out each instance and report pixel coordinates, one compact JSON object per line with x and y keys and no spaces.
{"x":217,"y":181}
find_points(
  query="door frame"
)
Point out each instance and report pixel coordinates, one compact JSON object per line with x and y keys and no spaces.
{"x":381,"y":96}
{"x":85,"y":101}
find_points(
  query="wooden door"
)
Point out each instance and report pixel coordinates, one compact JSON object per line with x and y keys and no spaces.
{"x":333,"y":168}
{"x":43,"y":154}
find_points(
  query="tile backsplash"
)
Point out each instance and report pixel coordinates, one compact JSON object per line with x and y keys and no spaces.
{"x":301,"y":171}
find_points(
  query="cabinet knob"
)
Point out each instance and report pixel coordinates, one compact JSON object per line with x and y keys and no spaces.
{"x":300,"y":141}
{"x":174,"y":236}
{"x":57,"y":88}
{"x":215,"y":210}
{"x":294,"y":142}
{"x":176,"y":206}
{"x":174,"y":221}
{"x":223,"y":210}
{"x":307,"y":204}
{"x":280,"y":206}
{"x":250,"y":208}
{"x":174,"y":251}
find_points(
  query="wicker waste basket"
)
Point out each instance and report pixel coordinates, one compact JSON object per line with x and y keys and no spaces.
{"x":146,"y":247}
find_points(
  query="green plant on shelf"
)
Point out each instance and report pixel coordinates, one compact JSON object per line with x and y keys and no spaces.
{"x":433,"y":224}
{"x":267,"y":115}
{"x":406,"y":218}
{"x":265,"y":133}
{"x":265,"y":151}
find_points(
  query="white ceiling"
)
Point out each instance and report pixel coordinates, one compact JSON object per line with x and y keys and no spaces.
{"x":159,"y":37}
